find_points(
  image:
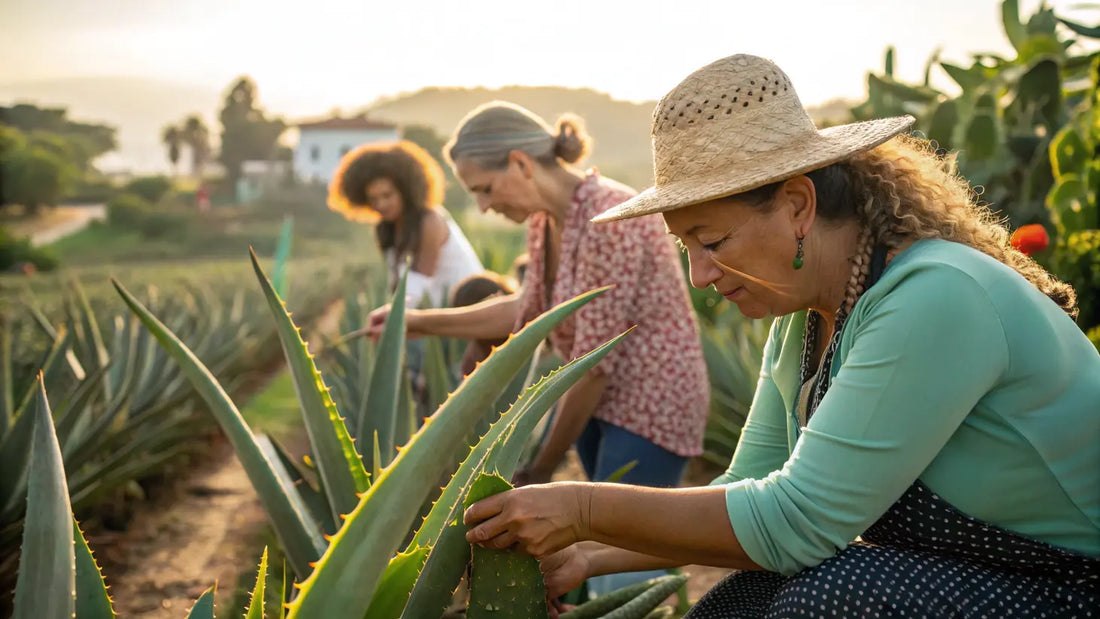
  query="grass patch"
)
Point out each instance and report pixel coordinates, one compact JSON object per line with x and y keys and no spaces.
{"x":275,"y":410}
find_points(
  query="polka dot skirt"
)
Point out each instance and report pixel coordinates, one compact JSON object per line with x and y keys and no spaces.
{"x":923,"y":558}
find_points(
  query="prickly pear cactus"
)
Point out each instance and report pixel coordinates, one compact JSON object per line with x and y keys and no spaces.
{"x":503,"y":583}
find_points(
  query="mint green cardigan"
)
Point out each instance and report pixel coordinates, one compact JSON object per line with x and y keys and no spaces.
{"x":951,"y":369}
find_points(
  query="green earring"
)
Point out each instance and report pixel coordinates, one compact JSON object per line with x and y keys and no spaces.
{"x":798,"y":255}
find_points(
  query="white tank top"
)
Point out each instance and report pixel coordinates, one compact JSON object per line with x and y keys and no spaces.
{"x":457,"y":261}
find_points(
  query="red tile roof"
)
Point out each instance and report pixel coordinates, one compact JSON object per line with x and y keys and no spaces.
{"x":351,"y":122}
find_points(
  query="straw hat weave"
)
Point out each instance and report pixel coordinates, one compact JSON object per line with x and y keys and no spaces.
{"x":735,"y":125}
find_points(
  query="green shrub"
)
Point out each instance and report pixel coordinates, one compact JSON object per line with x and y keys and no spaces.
{"x":127,"y":211}
{"x":15,"y":252}
{"x":151,"y":188}
{"x":91,"y":191}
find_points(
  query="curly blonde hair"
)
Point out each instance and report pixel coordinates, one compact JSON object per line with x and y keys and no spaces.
{"x":903,"y":191}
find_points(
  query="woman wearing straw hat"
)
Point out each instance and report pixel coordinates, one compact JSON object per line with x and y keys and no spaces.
{"x":647,"y":400}
{"x":924,"y":388}
{"x":398,"y":187}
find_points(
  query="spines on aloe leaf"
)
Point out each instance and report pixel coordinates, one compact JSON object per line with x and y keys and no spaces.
{"x":337,"y":461}
{"x":47,"y":565}
{"x":504,"y":584}
{"x":299,"y":536}
{"x":346,"y":577}
{"x":385,"y":382}
{"x":256,"y":604}
{"x":92,"y":599}
{"x":640,"y":606}
{"x":396,"y":583}
{"x":442,"y":528}
{"x":204,"y":606}
{"x":506,"y":435}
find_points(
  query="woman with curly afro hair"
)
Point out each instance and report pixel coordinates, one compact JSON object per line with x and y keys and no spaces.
{"x":398,"y":187}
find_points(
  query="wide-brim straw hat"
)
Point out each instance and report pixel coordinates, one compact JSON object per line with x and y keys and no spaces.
{"x":735,"y":125}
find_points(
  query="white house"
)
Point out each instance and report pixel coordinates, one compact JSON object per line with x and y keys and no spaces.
{"x":322,"y":143}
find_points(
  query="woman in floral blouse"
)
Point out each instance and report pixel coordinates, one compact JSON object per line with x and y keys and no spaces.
{"x":647,"y":400}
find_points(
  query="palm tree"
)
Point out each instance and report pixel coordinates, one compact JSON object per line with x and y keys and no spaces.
{"x":172,"y":137}
{"x":197,"y":137}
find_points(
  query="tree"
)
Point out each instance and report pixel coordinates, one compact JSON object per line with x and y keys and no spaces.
{"x":197,"y":137}
{"x":35,"y":177}
{"x":172,"y":138}
{"x":247,"y":133}
{"x":86,"y":141}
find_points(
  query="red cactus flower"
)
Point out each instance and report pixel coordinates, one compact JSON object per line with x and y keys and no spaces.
{"x":1030,"y":239}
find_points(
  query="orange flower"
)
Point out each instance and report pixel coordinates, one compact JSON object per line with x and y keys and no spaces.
{"x":1030,"y":239}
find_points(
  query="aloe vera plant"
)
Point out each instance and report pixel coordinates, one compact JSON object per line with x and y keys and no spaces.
{"x":58,"y":576}
{"x":344,"y":577}
{"x":364,"y":548}
{"x":635,"y":601}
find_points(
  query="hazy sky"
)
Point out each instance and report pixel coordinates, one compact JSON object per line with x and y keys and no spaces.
{"x":308,"y":56}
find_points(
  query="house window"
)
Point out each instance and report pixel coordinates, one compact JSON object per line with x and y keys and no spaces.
{"x":344,"y":150}
{"x":315,"y":153}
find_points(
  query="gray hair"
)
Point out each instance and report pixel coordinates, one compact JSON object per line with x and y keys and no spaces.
{"x":491,"y":131}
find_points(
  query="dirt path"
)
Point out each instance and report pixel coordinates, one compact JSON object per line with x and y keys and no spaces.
{"x":205,"y":529}
{"x":174,"y":552}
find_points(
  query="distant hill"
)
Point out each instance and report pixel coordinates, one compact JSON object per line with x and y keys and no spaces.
{"x":620,"y":129}
{"x":140,"y":108}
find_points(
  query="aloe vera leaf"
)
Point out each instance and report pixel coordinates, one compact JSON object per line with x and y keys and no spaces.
{"x":380,"y":415}
{"x":313,"y":499}
{"x":500,"y":438}
{"x":346,"y":576}
{"x":306,"y":499}
{"x":47,"y":564}
{"x":608,"y":602}
{"x":618,"y":473}
{"x":299,"y":537}
{"x":504,"y":584}
{"x":396,"y":583}
{"x":256,"y":603}
{"x":204,"y":606}
{"x":92,"y":600}
{"x":338,"y":463}
{"x":7,"y":395}
{"x":498,"y":450}
{"x":640,"y":606}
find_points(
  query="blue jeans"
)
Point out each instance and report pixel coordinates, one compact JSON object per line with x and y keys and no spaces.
{"x":603,"y":449}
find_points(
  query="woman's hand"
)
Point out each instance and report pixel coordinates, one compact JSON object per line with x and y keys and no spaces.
{"x":564,"y":570}
{"x":376,"y":321}
{"x":538,"y":520}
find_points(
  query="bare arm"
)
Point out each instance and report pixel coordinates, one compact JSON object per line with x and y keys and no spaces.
{"x":651,"y":520}
{"x":680,"y":525}
{"x":491,"y":319}
{"x":433,"y":234}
